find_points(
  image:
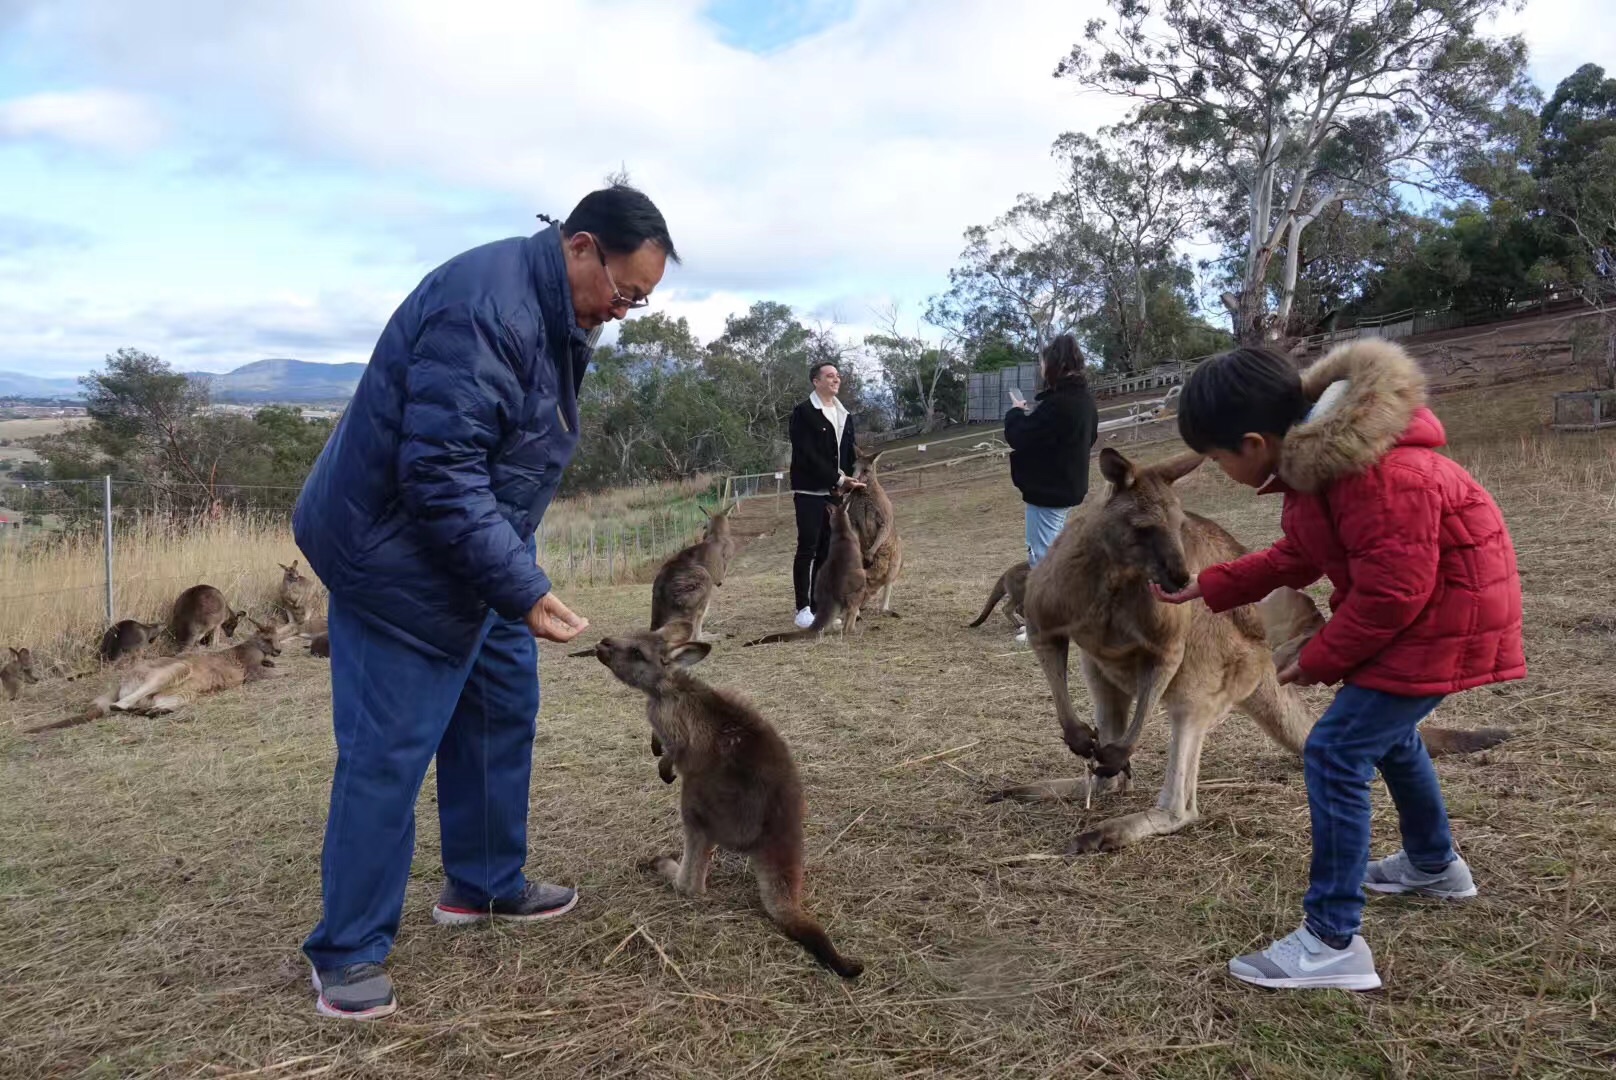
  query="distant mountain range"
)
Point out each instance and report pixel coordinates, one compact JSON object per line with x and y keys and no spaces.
{"x":258,"y":383}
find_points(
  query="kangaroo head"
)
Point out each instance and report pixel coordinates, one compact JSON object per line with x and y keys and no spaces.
{"x":644,"y":660}
{"x":151,"y":630}
{"x":718,"y":523}
{"x":25,"y":664}
{"x":1143,"y":520}
{"x":291,"y":574}
{"x":864,"y":465}
{"x":232,"y":620}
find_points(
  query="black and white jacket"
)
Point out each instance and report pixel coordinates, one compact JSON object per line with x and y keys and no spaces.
{"x":818,"y":459}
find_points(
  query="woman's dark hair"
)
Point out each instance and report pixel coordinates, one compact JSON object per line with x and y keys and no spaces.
{"x":1243,"y":390}
{"x":1063,"y":363}
{"x":815,"y":367}
{"x":621,"y":218}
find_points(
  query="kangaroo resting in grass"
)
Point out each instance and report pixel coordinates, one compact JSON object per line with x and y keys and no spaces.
{"x":839,"y":585}
{"x":870,"y":510}
{"x":296,"y":592}
{"x":155,"y":687}
{"x":683,"y":589}
{"x":198,"y":612}
{"x":741,"y":789}
{"x":1092,"y":589}
{"x":127,"y":639}
{"x":17,"y":671}
{"x":1012,"y":583}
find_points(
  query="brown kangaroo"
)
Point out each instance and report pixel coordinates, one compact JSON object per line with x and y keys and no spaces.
{"x":320,"y":645}
{"x":296,"y":592}
{"x":1012,"y":583}
{"x":17,"y":671}
{"x":741,"y":789}
{"x":683,"y":589}
{"x":128,"y":638}
{"x":155,"y":687}
{"x":870,"y":510}
{"x":839,"y":585}
{"x":1093,"y":590}
{"x":199,"y":611}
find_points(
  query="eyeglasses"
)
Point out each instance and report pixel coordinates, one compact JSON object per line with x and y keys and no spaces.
{"x":618,"y":299}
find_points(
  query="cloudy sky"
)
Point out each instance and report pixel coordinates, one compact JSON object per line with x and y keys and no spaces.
{"x":220,"y":182}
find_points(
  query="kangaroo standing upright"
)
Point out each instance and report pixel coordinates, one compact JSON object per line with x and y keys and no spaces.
{"x":870,"y":510}
{"x":839,"y":585}
{"x":17,"y":671}
{"x":1092,"y":589}
{"x":296,"y":592}
{"x":741,"y":789}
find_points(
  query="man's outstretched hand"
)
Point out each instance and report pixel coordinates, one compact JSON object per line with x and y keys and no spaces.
{"x":1192,"y":591}
{"x":552,"y":620}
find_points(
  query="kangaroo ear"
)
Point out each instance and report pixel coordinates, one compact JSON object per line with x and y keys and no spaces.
{"x":688,"y":653}
{"x":1116,"y":468}
{"x":1175,"y":469}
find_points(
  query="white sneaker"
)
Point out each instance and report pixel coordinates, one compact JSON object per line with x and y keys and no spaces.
{"x":1300,"y":961}
{"x":804,"y":619}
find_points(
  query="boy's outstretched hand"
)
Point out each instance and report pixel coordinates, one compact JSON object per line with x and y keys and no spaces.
{"x":1192,"y":591}
{"x":552,"y":620}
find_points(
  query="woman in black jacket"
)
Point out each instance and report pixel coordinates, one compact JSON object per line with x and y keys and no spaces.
{"x":1050,"y":444}
{"x":821,"y":463}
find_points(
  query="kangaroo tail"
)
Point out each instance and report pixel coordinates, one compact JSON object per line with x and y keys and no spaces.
{"x":822,"y":620}
{"x":800,"y":927}
{"x":993,"y":601}
{"x":1440,"y":740}
{"x":95,"y":712}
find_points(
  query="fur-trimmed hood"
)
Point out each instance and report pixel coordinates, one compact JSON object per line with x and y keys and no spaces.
{"x":1367,"y":397}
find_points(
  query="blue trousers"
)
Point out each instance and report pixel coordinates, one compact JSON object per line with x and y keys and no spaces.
{"x":1044,"y":523}
{"x":1361,"y":731}
{"x":394,"y":709}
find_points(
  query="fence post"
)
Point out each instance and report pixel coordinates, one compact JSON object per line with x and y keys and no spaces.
{"x":106,"y":529}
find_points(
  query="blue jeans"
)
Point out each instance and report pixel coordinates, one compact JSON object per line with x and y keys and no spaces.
{"x":1044,"y":523}
{"x":1361,"y":731}
{"x":393,"y":710}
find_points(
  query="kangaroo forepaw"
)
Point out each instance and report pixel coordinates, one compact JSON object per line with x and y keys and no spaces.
{"x":1080,"y":738}
{"x":664,"y":768}
{"x":1113,"y":759}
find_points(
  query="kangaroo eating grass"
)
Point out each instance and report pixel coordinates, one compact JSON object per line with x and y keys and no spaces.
{"x":1012,"y":583}
{"x":870,"y":510}
{"x":741,"y":789}
{"x":683,"y":589}
{"x":1093,"y":590}
{"x":156,"y":687}
{"x":198,"y":613}
{"x":17,"y":671}
{"x":296,"y":592}
{"x":128,"y":639}
{"x":839,"y":585}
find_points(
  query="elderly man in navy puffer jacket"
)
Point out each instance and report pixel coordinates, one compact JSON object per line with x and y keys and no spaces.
{"x":419,"y":517}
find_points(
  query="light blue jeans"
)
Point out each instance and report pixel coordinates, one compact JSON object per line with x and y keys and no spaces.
{"x":1044,"y":523}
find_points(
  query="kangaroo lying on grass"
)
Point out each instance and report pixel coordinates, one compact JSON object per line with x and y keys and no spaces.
{"x":18,"y":670}
{"x":870,"y":510}
{"x":839,"y":585}
{"x":199,"y":611}
{"x":296,"y":592}
{"x":155,"y":687}
{"x":1093,"y":590}
{"x":741,"y":789}
{"x":683,"y":589}
{"x":1013,"y":582}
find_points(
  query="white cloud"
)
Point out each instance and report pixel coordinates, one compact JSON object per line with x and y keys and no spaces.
{"x":860,"y":152}
{"x":94,"y":119}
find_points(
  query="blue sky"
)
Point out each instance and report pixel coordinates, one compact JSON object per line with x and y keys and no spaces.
{"x":218,"y":183}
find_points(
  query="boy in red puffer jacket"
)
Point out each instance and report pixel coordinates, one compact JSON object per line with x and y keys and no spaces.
{"x":1427,"y":602}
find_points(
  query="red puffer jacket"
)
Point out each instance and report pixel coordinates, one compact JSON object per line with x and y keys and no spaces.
{"x":1427,"y":599}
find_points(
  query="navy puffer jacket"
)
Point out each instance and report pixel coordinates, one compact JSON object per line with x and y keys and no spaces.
{"x":419,"y":514}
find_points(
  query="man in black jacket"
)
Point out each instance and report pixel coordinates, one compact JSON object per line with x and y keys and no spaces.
{"x":1050,"y":445}
{"x":821,"y":463}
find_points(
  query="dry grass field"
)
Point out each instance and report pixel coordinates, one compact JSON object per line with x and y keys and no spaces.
{"x":157,"y":875}
{"x":33,"y":427}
